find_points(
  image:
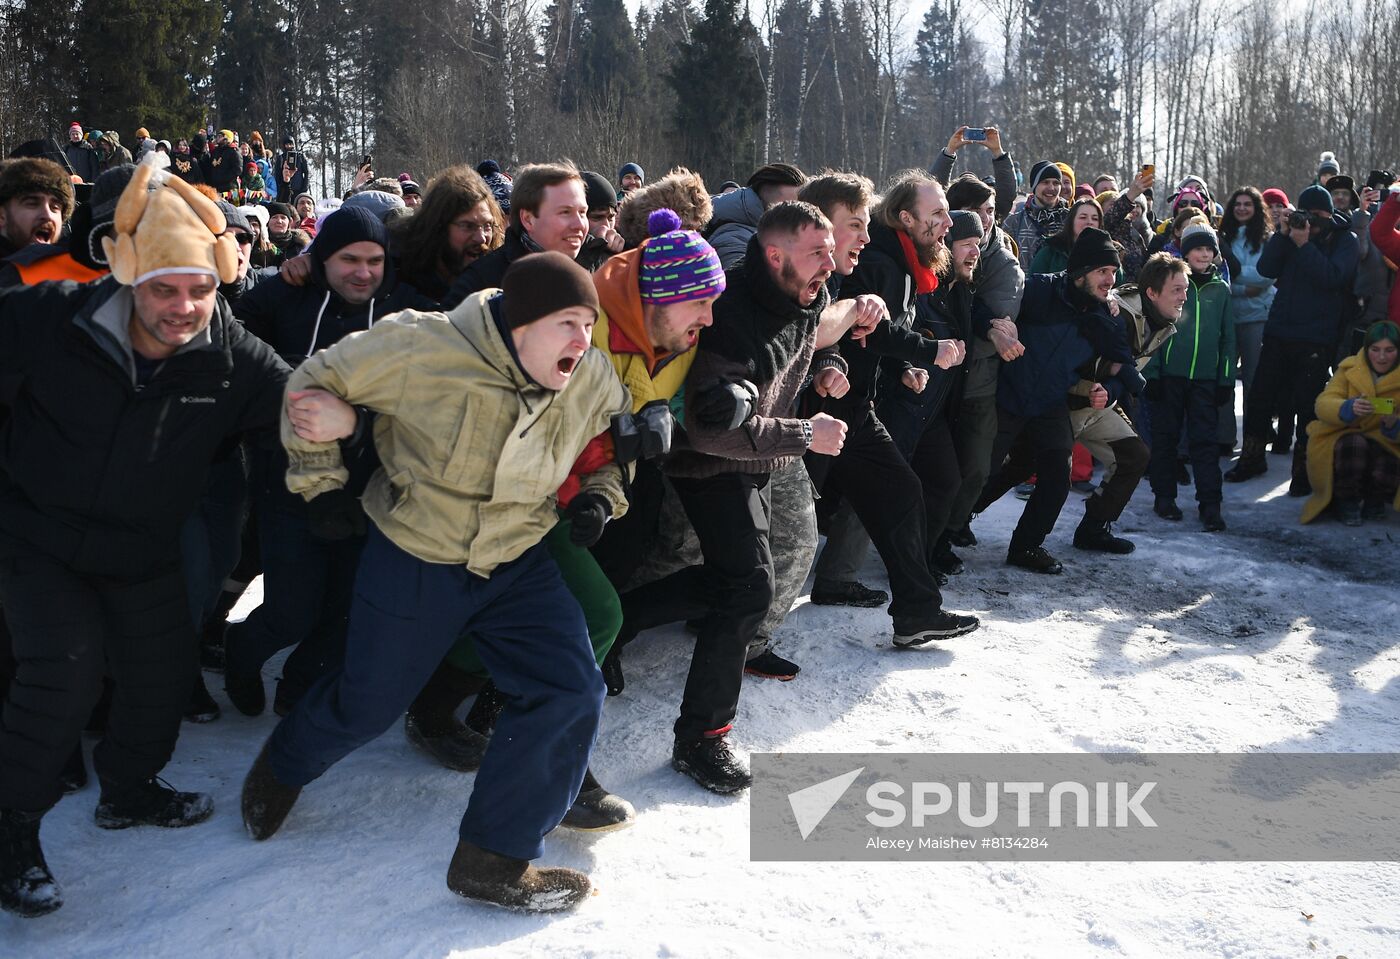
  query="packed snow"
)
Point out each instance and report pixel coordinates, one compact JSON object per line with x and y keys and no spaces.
{"x":1269,"y":636}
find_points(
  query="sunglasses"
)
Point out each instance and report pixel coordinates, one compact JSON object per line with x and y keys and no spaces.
{"x":245,"y":239}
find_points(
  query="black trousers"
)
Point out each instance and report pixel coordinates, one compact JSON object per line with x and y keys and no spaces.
{"x":68,"y":629}
{"x":1290,"y":376}
{"x":1189,"y":405}
{"x":730,"y":514}
{"x":1026,"y":446}
{"x":888,"y":498}
{"x":623,"y":546}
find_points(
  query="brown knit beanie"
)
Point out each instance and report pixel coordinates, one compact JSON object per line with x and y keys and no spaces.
{"x":544,"y":283}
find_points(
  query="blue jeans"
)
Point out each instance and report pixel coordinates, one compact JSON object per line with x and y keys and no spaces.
{"x":530,"y":634}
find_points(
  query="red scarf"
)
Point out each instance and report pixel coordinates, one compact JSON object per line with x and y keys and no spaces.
{"x":925,"y":280}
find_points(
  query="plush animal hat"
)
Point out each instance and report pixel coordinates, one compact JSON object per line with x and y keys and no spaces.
{"x":164,"y":227}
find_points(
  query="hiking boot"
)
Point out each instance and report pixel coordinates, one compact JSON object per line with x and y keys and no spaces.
{"x":848,"y":594}
{"x":1098,"y":537}
{"x":489,"y":877}
{"x":74,"y":775}
{"x":266,"y":801}
{"x":202,"y":708}
{"x":1036,"y":559}
{"x":597,"y":810}
{"x":457,"y":747}
{"x":1024,"y":490}
{"x":963,"y":538}
{"x":1211,"y":520}
{"x":709,"y":761}
{"x":1251,"y":462}
{"x":769,"y":665}
{"x":27,"y":888}
{"x":942,"y":625}
{"x":1165,"y":507}
{"x":1299,"y":484}
{"x":152,"y":803}
{"x":1349,"y":511}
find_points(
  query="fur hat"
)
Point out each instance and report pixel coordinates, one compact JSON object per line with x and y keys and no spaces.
{"x":36,"y":175}
{"x":680,"y":190}
{"x":164,"y":227}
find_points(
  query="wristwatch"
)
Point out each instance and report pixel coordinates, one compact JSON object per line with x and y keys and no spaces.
{"x":806,"y":432}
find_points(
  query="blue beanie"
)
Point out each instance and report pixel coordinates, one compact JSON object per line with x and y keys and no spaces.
{"x":488,"y":167}
{"x":630,"y":168}
{"x":1315,"y":198}
{"x":347,"y":225}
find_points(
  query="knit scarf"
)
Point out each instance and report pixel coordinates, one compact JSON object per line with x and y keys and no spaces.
{"x":925,"y":280}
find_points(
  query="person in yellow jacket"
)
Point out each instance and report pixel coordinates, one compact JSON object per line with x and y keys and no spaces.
{"x":481,"y":414}
{"x":1354,"y":444}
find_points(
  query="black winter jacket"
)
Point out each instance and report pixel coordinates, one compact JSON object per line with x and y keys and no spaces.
{"x":488,"y":272}
{"x":98,"y":472}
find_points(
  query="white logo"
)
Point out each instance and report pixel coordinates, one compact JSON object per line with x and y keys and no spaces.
{"x":810,"y":805}
{"x":198,"y":399}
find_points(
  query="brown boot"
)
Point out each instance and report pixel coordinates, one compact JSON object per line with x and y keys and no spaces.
{"x":480,"y":874}
{"x":1251,"y":462}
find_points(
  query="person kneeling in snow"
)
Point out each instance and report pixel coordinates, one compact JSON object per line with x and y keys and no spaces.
{"x":481,"y":413}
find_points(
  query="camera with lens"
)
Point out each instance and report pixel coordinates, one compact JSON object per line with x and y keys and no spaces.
{"x":1299,"y":220}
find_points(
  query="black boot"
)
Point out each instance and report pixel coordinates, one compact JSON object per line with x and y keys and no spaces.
{"x":963,"y":538}
{"x":1037,"y":559}
{"x":612,"y":671}
{"x":1348,"y":511}
{"x":1300,"y":485}
{"x":1251,"y":462}
{"x":74,"y":775}
{"x":431,"y":723}
{"x":941,"y":625}
{"x":597,"y":810}
{"x":848,"y":594}
{"x":1165,"y":507}
{"x":27,"y":888}
{"x":944,"y":559}
{"x":243,"y":681}
{"x":211,"y":639}
{"x":202,"y":708}
{"x":1211,"y":520}
{"x":769,"y":665}
{"x":489,"y":877}
{"x":266,"y":801}
{"x":1098,"y":537}
{"x":486,"y":710}
{"x":151,"y":803}
{"x":709,"y":761}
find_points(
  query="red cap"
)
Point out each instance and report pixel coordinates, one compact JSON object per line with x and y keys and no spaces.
{"x":1275,"y":197}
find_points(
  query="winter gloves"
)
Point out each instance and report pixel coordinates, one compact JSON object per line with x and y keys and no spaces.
{"x":587,"y":513}
{"x":335,"y":515}
{"x":643,"y":435}
{"x":726,"y":406}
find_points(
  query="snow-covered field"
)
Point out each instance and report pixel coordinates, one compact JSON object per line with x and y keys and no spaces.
{"x":1268,"y":637}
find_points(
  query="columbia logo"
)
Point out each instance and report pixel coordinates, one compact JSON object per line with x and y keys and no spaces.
{"x":198,"y":399}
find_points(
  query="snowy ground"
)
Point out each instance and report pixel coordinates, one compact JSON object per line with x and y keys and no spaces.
{"x":1268,"y":637}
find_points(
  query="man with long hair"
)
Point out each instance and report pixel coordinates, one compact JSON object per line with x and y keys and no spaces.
{"x":456,"y":224}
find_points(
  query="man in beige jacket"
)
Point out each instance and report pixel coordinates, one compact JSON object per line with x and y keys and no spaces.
{"x":481,"y":412}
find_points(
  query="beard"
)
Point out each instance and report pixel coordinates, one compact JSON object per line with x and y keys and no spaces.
{"x":935,"y":257}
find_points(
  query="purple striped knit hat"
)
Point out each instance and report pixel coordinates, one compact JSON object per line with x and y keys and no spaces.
{"x":677,"y":265}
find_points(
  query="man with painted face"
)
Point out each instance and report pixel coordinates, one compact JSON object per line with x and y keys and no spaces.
{"x":118,"y":394}
{"x":1312,"y":256}
{"x":481,"y":414}
{"x":310,"y":550}
{"x":1043,"y":215}
{"x":1064,"y":321}
{"x":881,"y":493}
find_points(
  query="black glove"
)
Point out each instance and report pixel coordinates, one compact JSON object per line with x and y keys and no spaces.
{"x":1224,"y":394}
{"x":725,"y":407}
{"x":643,"y":435}
{"x":588,"y":513}
{"x":1153,"y":390}
{"x":335,"y":515}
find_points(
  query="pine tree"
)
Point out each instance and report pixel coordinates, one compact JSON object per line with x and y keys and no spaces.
{"x":719,"y":92}
{"x":144,"y":64}
{"x":610,"y":61}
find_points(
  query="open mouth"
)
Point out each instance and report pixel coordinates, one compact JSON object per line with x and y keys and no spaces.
{"x":567,"y":364}
{"x":45,"y":233}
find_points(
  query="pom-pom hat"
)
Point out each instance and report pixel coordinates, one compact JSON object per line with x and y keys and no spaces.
{"x":677,"y":265}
